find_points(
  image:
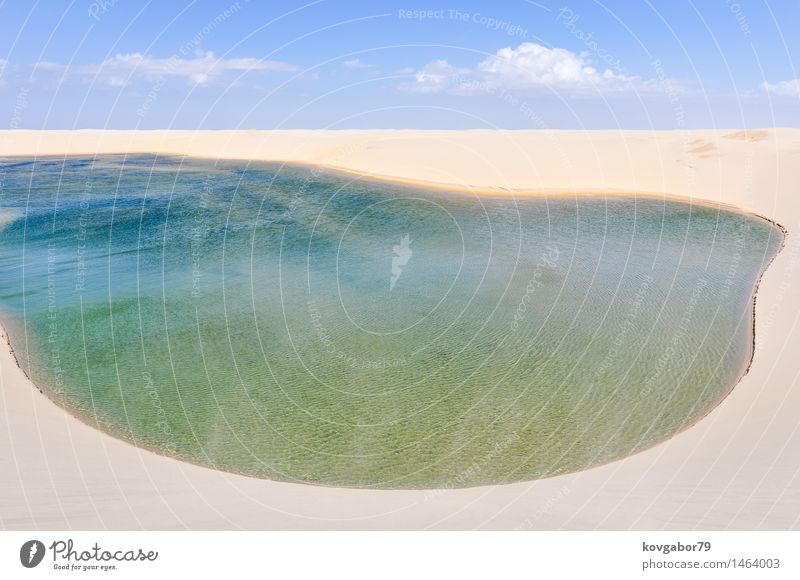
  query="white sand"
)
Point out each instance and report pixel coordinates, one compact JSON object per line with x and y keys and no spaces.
{"x":739,"y":468}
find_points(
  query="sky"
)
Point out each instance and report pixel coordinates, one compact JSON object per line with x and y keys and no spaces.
{"x":342,"y":64}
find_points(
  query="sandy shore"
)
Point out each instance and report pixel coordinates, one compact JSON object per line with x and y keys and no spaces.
{"x":739,"y":468}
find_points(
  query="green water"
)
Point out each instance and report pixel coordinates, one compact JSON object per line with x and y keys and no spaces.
{"x":245,"y":317}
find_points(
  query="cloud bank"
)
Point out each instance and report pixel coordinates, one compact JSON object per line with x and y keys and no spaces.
{"x":784,"y":88}
{"x":527,"y":67}
{"x":204,"y":69}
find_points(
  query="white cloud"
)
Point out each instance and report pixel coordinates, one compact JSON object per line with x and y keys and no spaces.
{"x":356,"y":64}
{"x":784,"y":88}
{"x":528,"y":66}
{"x":205,"y":68}
{"x":531,"y":64}
{"x":439,"y":76}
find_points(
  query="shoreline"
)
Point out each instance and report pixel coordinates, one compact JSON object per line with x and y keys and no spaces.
{"x":736,"y":468}
{"x":445,"y":187}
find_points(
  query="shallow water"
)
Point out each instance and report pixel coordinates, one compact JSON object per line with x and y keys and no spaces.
{"x":295,"y":324}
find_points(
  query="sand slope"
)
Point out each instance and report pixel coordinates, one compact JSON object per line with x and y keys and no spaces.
{"x":737,"y":469}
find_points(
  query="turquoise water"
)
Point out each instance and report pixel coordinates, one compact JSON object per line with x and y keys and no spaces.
{"x":295,"y":324}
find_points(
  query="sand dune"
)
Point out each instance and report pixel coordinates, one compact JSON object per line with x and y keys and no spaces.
{"x":739,"y":468}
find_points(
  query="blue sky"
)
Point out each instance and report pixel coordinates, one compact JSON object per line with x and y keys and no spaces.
{"x":342,"y":64}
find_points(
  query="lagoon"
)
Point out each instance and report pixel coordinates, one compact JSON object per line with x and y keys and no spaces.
{"x":297,"y":324}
